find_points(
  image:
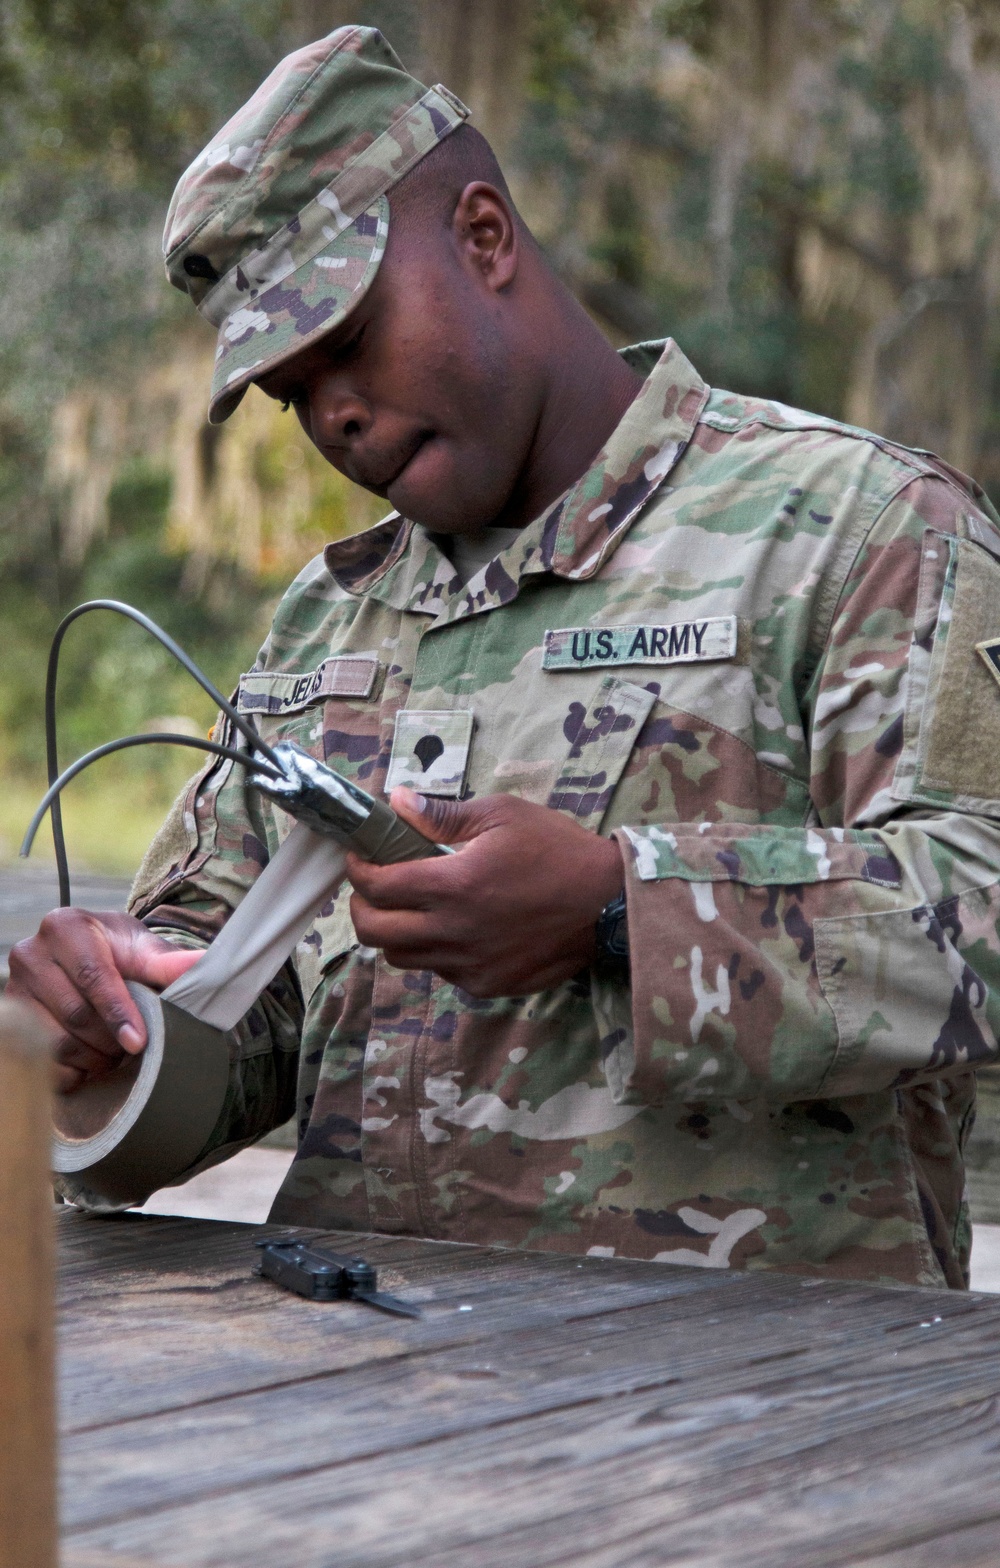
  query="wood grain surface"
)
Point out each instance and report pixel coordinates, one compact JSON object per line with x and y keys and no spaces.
{"x":27,"y":1268}
{"x":545,"y":1410}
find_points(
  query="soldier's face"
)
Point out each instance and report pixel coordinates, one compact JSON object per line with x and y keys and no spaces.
{"x":429,"y":394}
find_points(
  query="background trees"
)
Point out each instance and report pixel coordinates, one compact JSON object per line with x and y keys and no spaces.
{"x":803,"y":192}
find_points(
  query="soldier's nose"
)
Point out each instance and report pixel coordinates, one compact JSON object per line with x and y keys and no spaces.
{"x":338,"y":421}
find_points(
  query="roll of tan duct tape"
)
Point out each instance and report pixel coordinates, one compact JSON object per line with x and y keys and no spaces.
{"x":118,"y":1139}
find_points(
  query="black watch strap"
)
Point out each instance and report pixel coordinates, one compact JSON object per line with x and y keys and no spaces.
{"x":612,"y":941}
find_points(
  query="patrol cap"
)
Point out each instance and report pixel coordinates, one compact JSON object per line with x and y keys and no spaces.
{"x":277,"y":228}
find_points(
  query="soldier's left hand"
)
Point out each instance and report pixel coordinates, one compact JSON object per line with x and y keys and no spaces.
{"x":511,"y":912}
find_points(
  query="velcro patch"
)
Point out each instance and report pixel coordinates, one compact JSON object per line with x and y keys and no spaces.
{"x":430,"y":751}
{"x":682,"y":642}
{"x":278,"y":692}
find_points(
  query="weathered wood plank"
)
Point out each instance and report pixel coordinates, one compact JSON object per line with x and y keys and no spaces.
{"x":587,"y":1412}
{"x":226,"y":1445}
{"x":972,"y":1546}
{"x":27,"y":1267}
{"x":557,"y":1491}
{"x":181,"y":1348}
{"x":163,"y":1312}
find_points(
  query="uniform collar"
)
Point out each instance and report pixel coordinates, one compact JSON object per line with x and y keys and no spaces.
{"x":398,"y":562}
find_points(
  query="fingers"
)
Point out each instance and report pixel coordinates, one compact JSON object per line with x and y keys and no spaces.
{"x":161,"y":967}
{"x":68,"y":1079}
{"x":68,"y":969}
{"x":511,"y":912}
{"x":411,"y":939}
{"x":450,"y":821}
{"x":85,"y":1060}
{"x":405,"y":931}
{"x":412,"y":884}
{"x":420,"y":884}
{"x":73,"y":972}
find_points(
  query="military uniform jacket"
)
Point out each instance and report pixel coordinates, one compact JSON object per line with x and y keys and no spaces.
{"x":745,"y":643}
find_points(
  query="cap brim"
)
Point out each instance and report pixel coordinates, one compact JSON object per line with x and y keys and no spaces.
{"x":277,"y":323}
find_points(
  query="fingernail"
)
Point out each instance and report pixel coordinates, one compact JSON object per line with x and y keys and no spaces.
{"x":417,"y":802}
{"x":129,"y":1039}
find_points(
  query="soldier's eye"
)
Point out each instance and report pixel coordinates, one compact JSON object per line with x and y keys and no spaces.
{"x":352,"y":343}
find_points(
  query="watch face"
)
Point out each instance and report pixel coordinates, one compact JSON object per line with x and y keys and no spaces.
{"x":617,"y":937}
{"x":612,"y":929}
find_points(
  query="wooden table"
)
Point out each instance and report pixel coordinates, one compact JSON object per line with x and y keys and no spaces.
{"x":544,"y":1410}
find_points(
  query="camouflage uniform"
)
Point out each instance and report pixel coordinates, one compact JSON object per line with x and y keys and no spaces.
{"x":763,"y":678}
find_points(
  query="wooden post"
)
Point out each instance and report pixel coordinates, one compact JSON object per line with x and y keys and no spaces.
{"x":28,"y":1528}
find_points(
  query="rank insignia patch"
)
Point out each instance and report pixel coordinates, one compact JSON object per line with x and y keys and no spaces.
{"x":430,"y":751}
{"x":680,"y":642}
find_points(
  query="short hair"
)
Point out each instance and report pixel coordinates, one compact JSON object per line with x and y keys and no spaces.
{"x":432,"y":187}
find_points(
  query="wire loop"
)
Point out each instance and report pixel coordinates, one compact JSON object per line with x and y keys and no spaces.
{"x":56,"y":781}
{"x":51,"y":796}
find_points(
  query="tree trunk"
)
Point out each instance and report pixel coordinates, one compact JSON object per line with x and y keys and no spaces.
{"x":478,"y":48}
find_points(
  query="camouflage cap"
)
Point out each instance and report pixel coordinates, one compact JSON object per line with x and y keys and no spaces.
{"x":277,"y":228}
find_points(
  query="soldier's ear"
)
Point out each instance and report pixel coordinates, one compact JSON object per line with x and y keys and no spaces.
{"x":485,"y":231}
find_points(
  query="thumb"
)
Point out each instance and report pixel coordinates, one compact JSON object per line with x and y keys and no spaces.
{"x":158,"y":964}
{"x":442,"y":821}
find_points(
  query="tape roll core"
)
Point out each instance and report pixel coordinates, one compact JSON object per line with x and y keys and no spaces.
{"x":144,"y":1124}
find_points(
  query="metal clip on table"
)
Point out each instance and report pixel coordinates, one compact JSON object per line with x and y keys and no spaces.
{"x":327,"y":1276}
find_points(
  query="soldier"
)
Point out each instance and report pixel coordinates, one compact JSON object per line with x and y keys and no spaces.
{"x":703,"y":688}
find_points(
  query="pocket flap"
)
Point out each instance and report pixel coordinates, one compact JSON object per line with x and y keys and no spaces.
{"x":600,"y":749}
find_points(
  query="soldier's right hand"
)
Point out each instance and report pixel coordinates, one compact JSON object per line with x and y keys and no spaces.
{"x":73,"y":973}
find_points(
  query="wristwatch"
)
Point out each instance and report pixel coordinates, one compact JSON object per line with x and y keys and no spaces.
{"x":612,"y":942}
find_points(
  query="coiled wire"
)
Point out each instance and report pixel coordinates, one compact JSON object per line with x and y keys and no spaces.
{"x":57,"y":780}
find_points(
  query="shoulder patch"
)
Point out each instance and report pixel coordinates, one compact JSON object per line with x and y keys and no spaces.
{"x":951,"y":731}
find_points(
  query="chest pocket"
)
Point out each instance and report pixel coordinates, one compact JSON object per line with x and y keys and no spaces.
{"x":600,"y":749}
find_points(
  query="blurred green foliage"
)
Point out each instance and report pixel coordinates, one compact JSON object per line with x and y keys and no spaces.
{"x":596,"y":107}
{"x":102,"y":106}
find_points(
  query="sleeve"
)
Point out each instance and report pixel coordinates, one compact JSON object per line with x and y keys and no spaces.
{"x":206,"y":856}
{"x":860,"y":951}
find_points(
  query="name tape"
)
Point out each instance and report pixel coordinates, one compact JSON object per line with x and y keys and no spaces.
{"x":682,"y":642}
{"x":274,"y":691}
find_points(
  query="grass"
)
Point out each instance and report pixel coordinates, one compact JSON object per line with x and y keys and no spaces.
{"x":110,"y":814}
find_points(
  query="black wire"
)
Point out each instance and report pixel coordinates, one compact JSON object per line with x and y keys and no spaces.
{"x":51,"y":740}
{"x":244,"y":758}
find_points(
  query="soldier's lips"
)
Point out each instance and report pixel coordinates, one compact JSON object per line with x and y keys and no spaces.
{"x":383,"y":481}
